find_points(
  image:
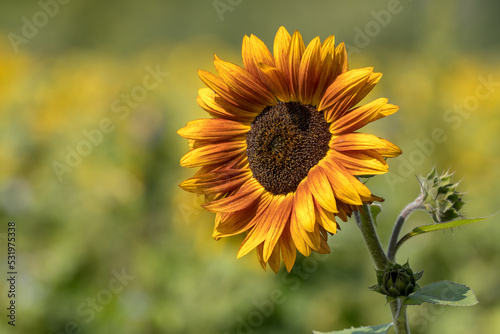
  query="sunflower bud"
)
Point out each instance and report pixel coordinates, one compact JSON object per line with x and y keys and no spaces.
{"x":439,"y":196}
{"x":397,"y":280}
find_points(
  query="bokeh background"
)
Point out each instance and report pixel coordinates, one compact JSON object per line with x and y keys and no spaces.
{"x":74,"y":70}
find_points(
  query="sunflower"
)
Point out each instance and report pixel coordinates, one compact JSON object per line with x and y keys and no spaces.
{"x":281,"y":156}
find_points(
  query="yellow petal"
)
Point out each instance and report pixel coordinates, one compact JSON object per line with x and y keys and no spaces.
{"x":213,"y":129}
{"x":222,"y":89}
{"x":309,"y":71}
{"x":387,"y":110}
{"x":357,"y":141}
{"x":341,"y":64}
{"x":304,"y":207}
{"x":236,"y":222}
{"x":254,"y":53}
{"x":288,"y":250}
{"x":312,"y":239}
{"x":320,"y":187}
{"x":262,"y":225}
{"x":277,"y":225}
{"x":274,"y":260}
{"x":277,"y":82}
{"x":219,"y":107}
{"x":343,"y":188}
{"x":361,"y":162}
{"x":295,"y":52}
{"x":243,"y":83}
{"x":358,"y":117}
{"x":249,"y":192}
{"x":389,"y":150}
{"x":326,"y":219}
{"x":346,"y":91}
{"x":216,"y":182}
{"x":298,"y":240}
{"x":327,"y":72}
{"x":280,"y":50}
{"x":213,"y":154}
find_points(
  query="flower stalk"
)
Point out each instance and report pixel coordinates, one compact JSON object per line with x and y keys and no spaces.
{"x":365,"y":223}
{"x":398,"y":310}
{"x":391,"y":250}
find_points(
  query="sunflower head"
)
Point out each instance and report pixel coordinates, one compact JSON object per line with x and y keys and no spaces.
{"x":280,"y":156}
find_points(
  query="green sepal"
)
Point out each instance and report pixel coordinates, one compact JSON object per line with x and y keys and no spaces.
{"x":396,"y":280}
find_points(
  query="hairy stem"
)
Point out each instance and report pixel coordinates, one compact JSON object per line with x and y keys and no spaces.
{"x":398,"y":310}
{"x":365,"y":223}
{"x":391,"y":250}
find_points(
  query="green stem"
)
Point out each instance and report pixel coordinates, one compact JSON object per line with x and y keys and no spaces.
{"x":398,"y":310}
{"x":391,"y":250}
{"x":365,"y":223}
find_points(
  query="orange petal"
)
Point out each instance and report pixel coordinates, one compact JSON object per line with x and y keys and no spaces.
{"x":236,"y":222}
{"x":263,"y":223}
{"x":346,"y":91}
{"x":357,"y":141}
{"x":358,"y":117}
{"x":216,"y":182}
{"x":243,"y":83}
{"x":288,"y":250}
{"x":389,"y":150}
{"x":327,"y":72}
{"x":219,"y":107}
{"x":249,"y":192}
{"x":213,"y":129}
{"x":274,"y":259}
{"x":326,"y":219}
{"x":276,"y":81}
{"x":341,"y":64}
{"x":313,"y":239}
{"x":361,"y":162}
{"x":362,"y":190}
{"x":328,"y":47}
{"x":255,"y":52}
{"x":303,"y":205}
{"x":343,"y":188}
{"x":309,"y":71}
{"x":344,"y":87}
{"x":324,"y":248}
{"x":298,"y":240}
{"x":222,"y":89}
{"x":280,"y":49}
{"x":295,"y":52}
{"x":260,"y":251}
{"x":213,"y":154}
{"x":277,"y":225}
{"x":387,"y":110}
{"x":321,"y":188}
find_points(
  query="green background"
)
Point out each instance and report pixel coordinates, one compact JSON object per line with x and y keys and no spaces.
{"x":119,"y":209}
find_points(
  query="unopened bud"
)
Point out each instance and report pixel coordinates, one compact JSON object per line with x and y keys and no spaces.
{"x":439,"y":196}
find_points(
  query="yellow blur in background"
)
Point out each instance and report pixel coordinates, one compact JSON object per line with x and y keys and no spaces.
{"x":91,"y":97}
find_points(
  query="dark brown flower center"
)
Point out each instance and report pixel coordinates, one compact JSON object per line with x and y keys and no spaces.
{"x":285,"y":141}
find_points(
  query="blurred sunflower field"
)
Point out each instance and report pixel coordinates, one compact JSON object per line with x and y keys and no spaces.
{"x":91,"y":96}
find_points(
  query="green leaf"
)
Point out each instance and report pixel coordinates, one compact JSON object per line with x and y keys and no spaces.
{"x":380,"y":329}
{"x":375,"y":209}
{"x":439,"y":226}
{"x":443,"y":293}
